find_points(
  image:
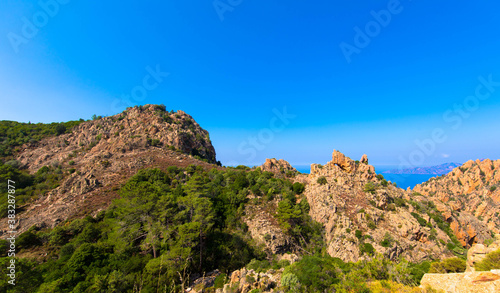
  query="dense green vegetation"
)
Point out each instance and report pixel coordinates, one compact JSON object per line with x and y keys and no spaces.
{"x":166,"y":227}
{"x":322,"y":273}
{"x":27,"y":185}
{"x":14,"y":134}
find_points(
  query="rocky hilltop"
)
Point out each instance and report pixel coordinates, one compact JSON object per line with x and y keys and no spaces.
{"x":280,"y":168}
{"x":99,"y":155}
{"x":469,"y":199}
{"x":365,"y":214}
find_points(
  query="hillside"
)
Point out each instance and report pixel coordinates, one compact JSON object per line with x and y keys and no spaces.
{"x":136,"y":202}
{"x":97,"y":156}
{"x":469,"y":199}
{"x":361,"y":210}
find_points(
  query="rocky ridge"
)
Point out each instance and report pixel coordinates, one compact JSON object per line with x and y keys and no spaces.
{"x":357,"y":208}
{"x":97,"y":156}
{"x":469,"y":199}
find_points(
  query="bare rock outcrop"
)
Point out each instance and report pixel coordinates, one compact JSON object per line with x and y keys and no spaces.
{"x":264,"y":228}
{"x":470,"y":281}
{"x":279,"y":167}
{"x":479,"y":251}
{"x":244,"y":281}
{"x":356,"y":207}
{"x":469,"y":198}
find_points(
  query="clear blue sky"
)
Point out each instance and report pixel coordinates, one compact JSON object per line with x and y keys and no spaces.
{"x":230,"y":69}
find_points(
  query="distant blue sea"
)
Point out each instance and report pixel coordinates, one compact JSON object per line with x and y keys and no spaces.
{"x":402,"y":180}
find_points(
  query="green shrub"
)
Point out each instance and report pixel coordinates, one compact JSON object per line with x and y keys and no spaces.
{"x":366,"y":248}
{"x":370,"y":187}
{"x":60,"y":129}
{"x":358,"y":234}
{"x":4,"y":246}
{"x":258,"y":265}
{"x":314,"y":273}
{"x":490,"y":262}
{"x":322,"y":180}
{"x":493,"y":188}
{"x":27,"y":239}
{"x":249,"y":279}
{"x":449,"y":265}
{"x":420,"y":220}
{"x":290,"y":281}
{"x":220,"y":280}
{"x":298,"y":187}
{"x":387,"y":241}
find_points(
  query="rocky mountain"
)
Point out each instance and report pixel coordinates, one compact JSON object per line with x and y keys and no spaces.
{"x":99,"y":155}
{"x":469,"y":199}
{"x":435,"y":170}
{"x":199,"y":217}
{"x":362,"y":211}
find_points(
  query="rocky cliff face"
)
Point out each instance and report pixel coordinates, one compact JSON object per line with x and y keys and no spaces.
{"x":360,"y":211}
{"x":469,"y":198}
{"x":97,"y":156}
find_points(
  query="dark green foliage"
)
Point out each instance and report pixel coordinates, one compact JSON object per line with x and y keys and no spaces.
{"x":315,"y":274}
{"x":164,"y":223}
{"x":399,"y":202}
{"x":27,"y":185}
{"x":60,"y":129}
{"x":183,"y":222}
{"x":493,"y":188}
{"x":27,"y":239}
{"x":153,"y":142}
{"x":298,"y":187}
{"x":14,"y":134}
{"x":322,"y":180}
{"x":387,"y":241}
{"x":4,"y":246}
{"x":366,"y":248}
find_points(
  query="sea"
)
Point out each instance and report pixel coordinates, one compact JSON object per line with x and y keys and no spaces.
{"x":402,"y":180}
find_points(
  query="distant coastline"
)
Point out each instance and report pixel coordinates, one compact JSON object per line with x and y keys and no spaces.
{"x":431,"y":170}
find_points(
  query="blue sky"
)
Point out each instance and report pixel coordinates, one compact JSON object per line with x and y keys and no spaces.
{"x":234,"y":69}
